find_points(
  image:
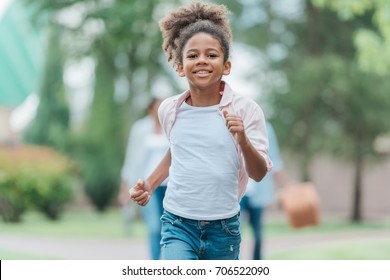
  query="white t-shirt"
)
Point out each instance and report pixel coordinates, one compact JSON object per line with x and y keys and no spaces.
{"x":203,"y":176}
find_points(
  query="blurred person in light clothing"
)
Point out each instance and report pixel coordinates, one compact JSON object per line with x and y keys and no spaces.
{"x":146,"y":146}
{"x":261,"y":194}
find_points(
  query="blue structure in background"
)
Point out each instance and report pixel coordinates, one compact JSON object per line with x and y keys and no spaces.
{"x":22,"y":49}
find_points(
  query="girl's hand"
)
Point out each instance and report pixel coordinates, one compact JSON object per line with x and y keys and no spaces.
{"x":140,"y":193}
{"x":236,"y":127}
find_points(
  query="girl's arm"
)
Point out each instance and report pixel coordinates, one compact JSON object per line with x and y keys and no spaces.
{"x":255,"y":164}
{"x":161,"y":172}
{"x":143,"y":189}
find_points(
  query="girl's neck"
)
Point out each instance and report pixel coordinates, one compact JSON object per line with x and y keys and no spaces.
{"x":204,"y":97}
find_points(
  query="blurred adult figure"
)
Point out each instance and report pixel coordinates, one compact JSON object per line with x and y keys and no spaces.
{"x":146,"y":146}
{"x":261,"y":194}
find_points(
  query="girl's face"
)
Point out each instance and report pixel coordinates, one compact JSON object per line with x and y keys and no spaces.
{"x":203,"y":62}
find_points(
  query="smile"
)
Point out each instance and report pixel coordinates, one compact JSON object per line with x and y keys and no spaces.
{"x":202,"y":72}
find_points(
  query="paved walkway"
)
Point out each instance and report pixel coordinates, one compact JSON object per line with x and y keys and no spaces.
{"x":131,"y":249}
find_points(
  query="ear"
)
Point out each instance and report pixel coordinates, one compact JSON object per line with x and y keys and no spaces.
{"x":227,"y":66}
{"x":180,"y":70}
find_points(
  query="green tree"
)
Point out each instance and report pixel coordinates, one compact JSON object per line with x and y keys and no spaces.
{"x":51,"y":124}
{"x":330,"y":104}
{"x":373,"y":46}
{"x":362,"y":116}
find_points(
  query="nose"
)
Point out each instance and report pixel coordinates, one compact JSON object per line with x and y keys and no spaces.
{"x":202,"y":59}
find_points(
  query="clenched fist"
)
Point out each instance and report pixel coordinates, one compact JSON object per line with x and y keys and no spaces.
{"x":141,"y":193}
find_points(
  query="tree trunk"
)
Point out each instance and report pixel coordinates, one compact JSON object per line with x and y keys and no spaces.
{"x":357,"y":192}
{"x":305,"y":166}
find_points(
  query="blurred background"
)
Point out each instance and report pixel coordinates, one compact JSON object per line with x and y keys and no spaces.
{"x":75,"y":75}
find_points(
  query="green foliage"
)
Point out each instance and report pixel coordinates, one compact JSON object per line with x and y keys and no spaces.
{"x":34,"y":177}
{"x":100,"y":156}
{"x":373,"y":45}
{"x":99,"y":170}
{"x":342,"y":102}
{"x":51,"y":124}
{"x":347,"y":8}
{"x":13,"y":199}
{"x":329,"y":99}
{"x":331,"y":105}
{"x":51,"y":193}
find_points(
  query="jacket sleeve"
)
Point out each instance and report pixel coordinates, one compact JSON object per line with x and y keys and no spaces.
{"x":256,"y":131}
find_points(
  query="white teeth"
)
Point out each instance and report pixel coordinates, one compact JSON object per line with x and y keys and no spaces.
{"x":202,"y":72}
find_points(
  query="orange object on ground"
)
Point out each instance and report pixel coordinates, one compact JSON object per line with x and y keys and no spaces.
{"x":301,"y":205}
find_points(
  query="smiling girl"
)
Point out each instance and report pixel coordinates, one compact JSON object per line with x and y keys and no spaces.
{"x":217,"y":138}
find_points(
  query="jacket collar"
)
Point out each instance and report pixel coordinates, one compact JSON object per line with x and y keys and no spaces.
{"x":225,"y":91}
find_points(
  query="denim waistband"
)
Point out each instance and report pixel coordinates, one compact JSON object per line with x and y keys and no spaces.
{"x":204,"y":222}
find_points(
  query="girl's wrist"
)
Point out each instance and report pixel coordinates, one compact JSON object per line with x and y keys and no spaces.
{"x":244,"y":143}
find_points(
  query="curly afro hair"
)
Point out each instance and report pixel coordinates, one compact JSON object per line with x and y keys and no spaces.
{"x":183,"y":23}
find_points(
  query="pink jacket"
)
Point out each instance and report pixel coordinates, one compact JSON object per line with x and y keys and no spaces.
{"x":250,"y":112}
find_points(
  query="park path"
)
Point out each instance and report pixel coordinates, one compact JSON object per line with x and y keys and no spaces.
{"x":137,"y":249}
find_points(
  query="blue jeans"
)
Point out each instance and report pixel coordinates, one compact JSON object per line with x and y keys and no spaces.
{"x":151,"y":214}
{"x":256,"y":223}
{"x":186,"y":239}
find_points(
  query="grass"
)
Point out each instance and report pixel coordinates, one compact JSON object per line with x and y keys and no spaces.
{"x":362,"y":249}
{"x":16,"y":255}
{"x":278,"y":227}
{"x":347,"y":250}
{"x":110,"y":225}
{"x":76,"y":224}
{"x":88,"y":223}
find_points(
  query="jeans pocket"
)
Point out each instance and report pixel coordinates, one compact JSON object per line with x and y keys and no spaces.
{"x":169,"y":218}
{"x":232,"y":226}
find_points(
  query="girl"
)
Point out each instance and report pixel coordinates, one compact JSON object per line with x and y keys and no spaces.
{"x":217,"y":138}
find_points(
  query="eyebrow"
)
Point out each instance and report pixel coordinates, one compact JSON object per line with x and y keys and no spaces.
{"x":196,"y":50}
